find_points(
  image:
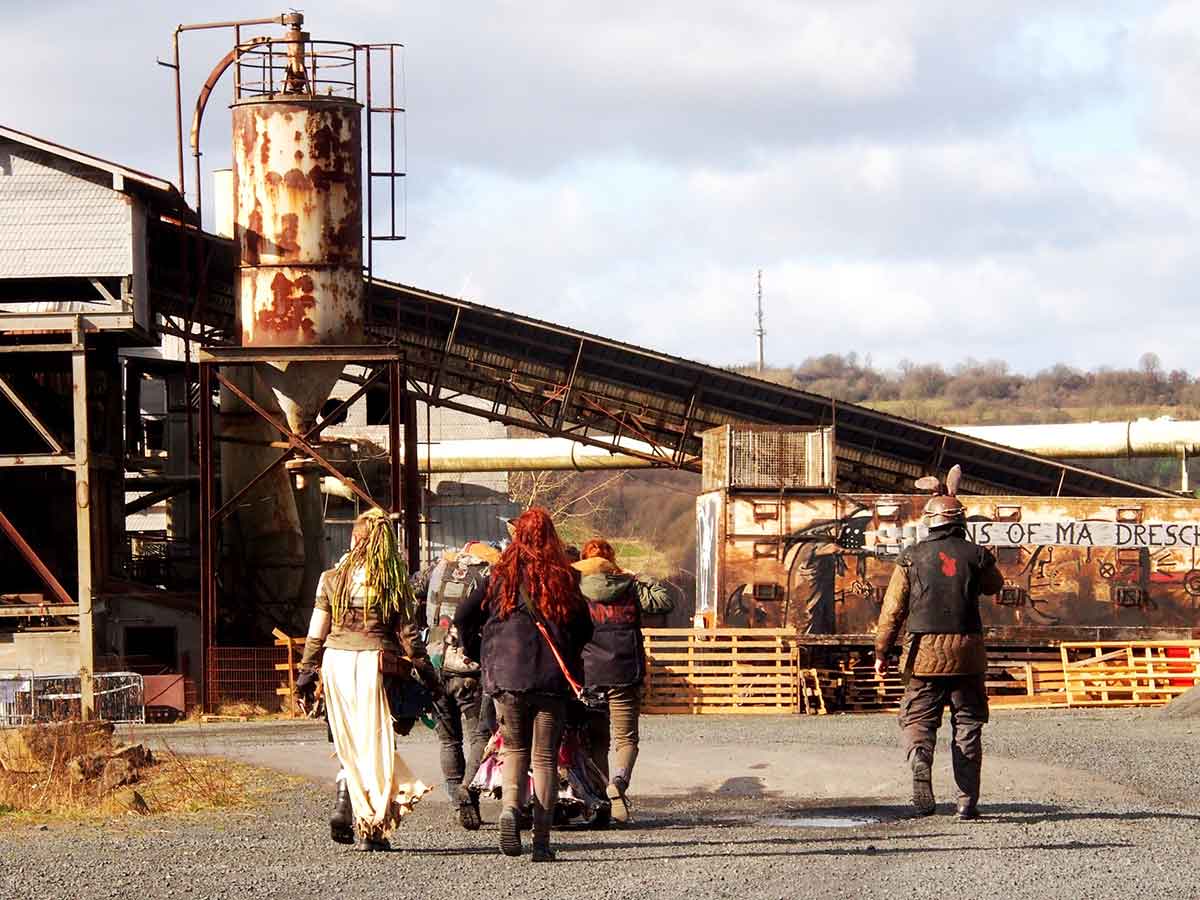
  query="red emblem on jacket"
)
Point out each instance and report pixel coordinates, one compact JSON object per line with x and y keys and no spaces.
{"x":949,"y":565}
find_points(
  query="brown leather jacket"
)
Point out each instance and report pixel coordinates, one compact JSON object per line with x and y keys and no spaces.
{"x":936,"y":654}
{"x":362,"y":630}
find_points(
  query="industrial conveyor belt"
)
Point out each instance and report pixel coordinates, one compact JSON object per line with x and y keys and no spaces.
{"x":564,"y":382}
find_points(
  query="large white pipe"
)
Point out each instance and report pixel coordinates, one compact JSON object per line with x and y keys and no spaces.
{"x":515,"y":454}
{"x":527,"y":455}
{"x":1094,"y":440}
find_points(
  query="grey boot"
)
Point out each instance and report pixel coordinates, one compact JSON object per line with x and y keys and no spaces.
{"x":542,"y":820}
{"x":923,"y":801}
{"x":341,"y":823}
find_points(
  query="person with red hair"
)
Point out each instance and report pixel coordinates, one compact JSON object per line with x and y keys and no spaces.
{"x":531,"y":615}
{"x":614,"y":661}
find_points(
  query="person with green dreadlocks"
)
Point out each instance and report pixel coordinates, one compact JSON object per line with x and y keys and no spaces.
{"x":363,"y":629}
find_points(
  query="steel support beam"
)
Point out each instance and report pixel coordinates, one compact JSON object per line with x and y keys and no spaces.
{"x":36,"y":460}
{"x":15,"y":399}
{"x":33,"y":612}
{"x":412,"y":480}
{"x":155,"y":496}
{"x":298,"y":443}
{"x":208,"y":534}
{"x":35,"y":561}
{"x":396,"y":421}
{"x":83,"y":532}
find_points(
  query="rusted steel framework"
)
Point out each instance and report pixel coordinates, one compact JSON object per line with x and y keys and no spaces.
{"x":79,"y":459}
{"x":564,"y":382}
{"x":387,"y":366}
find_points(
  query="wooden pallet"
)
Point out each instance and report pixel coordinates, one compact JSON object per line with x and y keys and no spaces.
{"x":295,"y":652}
{"x":1128,"y":673}
{"x":740,"y":671}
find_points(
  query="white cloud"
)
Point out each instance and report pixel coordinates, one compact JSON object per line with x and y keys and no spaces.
{"x":1002,"y":178}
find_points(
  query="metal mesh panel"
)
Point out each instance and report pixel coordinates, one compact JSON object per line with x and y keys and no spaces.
{"x":768,"y":458}
{"x":247,"y":675}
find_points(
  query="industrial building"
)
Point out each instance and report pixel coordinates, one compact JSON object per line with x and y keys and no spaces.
{"x":194,"y":412}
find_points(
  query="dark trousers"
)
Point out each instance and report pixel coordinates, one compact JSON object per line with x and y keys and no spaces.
{"x":458,"y":718}
{"x":921,"y":716}
{"x":531,"y":726}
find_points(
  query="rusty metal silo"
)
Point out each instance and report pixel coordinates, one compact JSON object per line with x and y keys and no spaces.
{"x":297,"y":183}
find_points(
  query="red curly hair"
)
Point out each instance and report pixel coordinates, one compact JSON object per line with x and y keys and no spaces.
{"x":599,"y":547}
{"x":537,"y":561}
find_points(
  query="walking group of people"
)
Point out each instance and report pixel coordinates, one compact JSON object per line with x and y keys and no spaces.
{"x":513,"y":636}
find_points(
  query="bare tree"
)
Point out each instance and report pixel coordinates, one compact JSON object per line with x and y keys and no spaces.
{"x":565,"y":495}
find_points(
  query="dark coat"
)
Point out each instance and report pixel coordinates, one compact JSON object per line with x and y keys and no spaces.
{"x":513,"y":654}
{"x":616,"y":600}
{"x":958,"y":647}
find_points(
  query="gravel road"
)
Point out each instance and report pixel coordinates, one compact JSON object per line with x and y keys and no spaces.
{"x":1088,"y":805}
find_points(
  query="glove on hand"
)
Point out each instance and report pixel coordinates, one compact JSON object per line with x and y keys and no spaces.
{"x":306,"y":683}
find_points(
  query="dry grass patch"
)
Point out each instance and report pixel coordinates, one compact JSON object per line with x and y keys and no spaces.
{"x":72,"y":771}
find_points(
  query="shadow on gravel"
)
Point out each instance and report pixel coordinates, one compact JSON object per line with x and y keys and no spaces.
{"x":1035,"y":813}
{"x":795,"y":847}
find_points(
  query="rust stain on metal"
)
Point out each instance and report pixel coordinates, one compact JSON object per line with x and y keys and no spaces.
{"x":251,"y":236}
{"x":289,"y":235}
{"x":299,"y":224}
{"x":287,"y":319}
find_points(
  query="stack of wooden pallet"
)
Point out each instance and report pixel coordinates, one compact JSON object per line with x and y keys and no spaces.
{"x":1128,"y":673}
{"x":726,"y":670}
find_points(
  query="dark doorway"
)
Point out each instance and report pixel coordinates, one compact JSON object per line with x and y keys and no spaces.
{"x":152,"y":647}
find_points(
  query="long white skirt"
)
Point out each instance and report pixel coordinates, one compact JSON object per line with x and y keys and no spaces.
{"x":382,"y":787}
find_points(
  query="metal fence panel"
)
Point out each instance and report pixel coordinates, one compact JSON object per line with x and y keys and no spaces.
{"x":119,"y":697}
{"x":247,"y":675}
{"x":16,"y":697}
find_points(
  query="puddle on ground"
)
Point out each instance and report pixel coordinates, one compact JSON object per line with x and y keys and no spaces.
{"x":821,"y":821}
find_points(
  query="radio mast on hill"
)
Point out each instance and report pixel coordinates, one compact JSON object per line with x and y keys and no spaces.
{"x":758,"y":332}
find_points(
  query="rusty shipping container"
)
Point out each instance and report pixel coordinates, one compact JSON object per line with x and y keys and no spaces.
{"x":1073,"y":568}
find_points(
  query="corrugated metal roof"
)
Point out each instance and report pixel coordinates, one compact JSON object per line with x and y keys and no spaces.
{"x":58,"y":219}
{"x":93,"y":162}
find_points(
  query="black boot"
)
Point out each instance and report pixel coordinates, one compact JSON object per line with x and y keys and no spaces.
{"x":375,"y":843}
{"x":510,"y":833}
{"x":968,"y":808}
{"x":967,"y":774}
{"x":468,"y":809}
{"x":541,"y":835}
{"x":341,"y":823}
{"x":922,"y":775}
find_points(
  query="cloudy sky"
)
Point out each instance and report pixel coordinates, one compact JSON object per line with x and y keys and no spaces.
{"x":923,"y":180}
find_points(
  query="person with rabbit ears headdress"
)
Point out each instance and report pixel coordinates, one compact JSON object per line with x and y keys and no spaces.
{"x":933,"y":596}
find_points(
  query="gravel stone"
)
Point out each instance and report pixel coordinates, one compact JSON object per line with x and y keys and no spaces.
{"x":1108,"y":810}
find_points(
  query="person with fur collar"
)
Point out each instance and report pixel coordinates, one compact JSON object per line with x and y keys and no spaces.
{"x":614,"y":660}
